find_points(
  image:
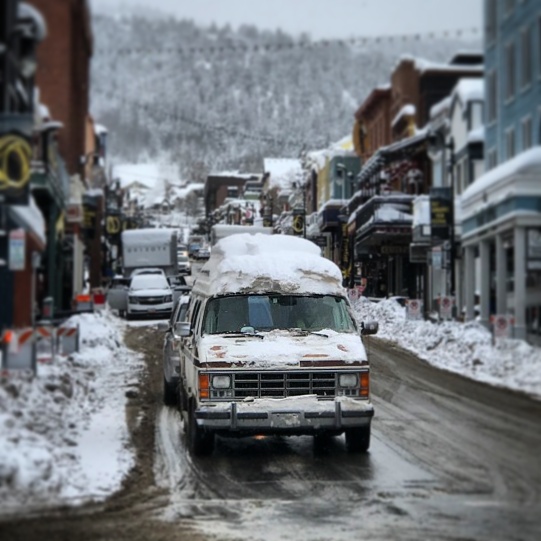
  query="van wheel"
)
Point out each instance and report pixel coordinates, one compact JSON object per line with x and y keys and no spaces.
{"x":169,"y":394}
{"x":182,"y":400}
{"x":200,"y":441}
{"x":358,"y":439}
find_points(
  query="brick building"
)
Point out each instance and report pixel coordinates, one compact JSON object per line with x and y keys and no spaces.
{"x":63,"y":74}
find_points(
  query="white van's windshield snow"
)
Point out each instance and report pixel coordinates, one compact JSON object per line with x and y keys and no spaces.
{"x":269,"y":312}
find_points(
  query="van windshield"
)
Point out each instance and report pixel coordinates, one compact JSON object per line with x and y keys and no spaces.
{"x":269,"y":312}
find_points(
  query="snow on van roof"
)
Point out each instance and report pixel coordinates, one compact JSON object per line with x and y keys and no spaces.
{"x":268,"y":263}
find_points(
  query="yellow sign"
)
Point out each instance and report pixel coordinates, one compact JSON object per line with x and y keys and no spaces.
{"x":14,"y":150}
{"x":298,"y":223}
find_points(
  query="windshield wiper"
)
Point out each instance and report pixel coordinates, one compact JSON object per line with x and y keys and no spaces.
{"x":303,"y":332}
{"x":233,"y":334}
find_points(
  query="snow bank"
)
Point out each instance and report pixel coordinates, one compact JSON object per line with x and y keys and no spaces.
{"x":464,"y":348}
{"x":47,"y":423}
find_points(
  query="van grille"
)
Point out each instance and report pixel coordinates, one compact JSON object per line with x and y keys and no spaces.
{"x":284,"y":384}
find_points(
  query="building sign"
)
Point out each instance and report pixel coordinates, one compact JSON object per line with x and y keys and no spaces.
{"x":17,"y":250}
{"x":90,"y":211}
{"x":441,"y":212}
{"x":395,"y":250}
{"x":346,"y":262}
{"x":298,"y":221}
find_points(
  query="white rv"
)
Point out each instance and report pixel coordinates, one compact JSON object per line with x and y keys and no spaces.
{"x":271,"y":346}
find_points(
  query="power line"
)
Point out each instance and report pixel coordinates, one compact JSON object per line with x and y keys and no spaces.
{"x":288,"y":46}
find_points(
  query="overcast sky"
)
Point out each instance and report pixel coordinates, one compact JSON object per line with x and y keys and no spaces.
{"x":321,"y":19}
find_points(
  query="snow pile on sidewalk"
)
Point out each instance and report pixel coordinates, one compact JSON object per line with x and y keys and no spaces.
{"x":465,"y":348}
{"x":63,"y":434}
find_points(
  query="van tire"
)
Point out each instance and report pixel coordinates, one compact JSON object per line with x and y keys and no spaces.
{"x":182,"y":400}
{"x":200,"y":441}
{"x":358,"y":439}
{"x":169,"y":394}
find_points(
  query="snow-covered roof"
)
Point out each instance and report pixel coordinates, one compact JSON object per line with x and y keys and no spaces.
{"x":469,"y":89}
{"x":99,"y":129}
{"x":30,"y":217}
{"x":26,"y":11}
{"x":440,"y":107}
{"x":406,"y":110}
{"x":268,"y":263}
{"x":236,"y":174}
{"x":342,"y":147}
{"x":422,"y":65}
{"x":525,"y":163}
{"x":476,"y":135}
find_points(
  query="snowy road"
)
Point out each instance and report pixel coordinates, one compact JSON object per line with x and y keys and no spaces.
{"x":451,"y":459}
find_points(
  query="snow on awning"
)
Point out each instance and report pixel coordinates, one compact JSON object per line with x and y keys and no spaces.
{"x":30,"y":218}
{"x":407,"y":110}
{"x":528,"y":162}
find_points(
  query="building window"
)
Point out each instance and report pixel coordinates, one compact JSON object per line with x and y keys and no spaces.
{"x":492,"y":97}
{"x":509,"y":143}
{"x":509,"y":71}
{"x":526,"y":57}
{"x":492,"y":158}
{"x":491,"y":21}
{"x":526,"y":133}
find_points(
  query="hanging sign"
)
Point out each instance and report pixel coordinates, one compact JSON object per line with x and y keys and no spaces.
{"x":17,"y":250}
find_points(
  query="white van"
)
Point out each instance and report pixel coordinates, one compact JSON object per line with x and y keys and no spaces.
{"x":271,"y":346}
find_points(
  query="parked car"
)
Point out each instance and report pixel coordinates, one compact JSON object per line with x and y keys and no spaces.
{"x":184,"y":266}
{"x":149,"y":294}
{"x":171,"y":352}
{"x":202,"y":253}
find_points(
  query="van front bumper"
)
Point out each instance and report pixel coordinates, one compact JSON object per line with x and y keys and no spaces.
{"x":295,"y":415}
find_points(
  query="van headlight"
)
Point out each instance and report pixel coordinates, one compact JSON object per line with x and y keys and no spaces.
{"x":133,"y":300}
{"x":168,"y":298}
{"x":348,"y":380}
{"x":221,"y":382}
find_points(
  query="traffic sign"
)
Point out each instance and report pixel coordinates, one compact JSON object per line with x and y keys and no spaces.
{"x":414,"y":309}
{"x":446,"y":307}
{"x":501,"y":325}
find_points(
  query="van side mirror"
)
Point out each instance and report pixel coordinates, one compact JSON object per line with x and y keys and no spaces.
{"x":369,"y":327}
{"x":182,"y":329}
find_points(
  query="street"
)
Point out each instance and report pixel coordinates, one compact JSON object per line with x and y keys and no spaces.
{"x":450,"y":459}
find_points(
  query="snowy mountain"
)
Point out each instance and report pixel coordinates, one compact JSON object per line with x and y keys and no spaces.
{"x":214,"y":98}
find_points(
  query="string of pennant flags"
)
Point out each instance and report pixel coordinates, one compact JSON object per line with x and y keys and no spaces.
{"x":277,"y":47}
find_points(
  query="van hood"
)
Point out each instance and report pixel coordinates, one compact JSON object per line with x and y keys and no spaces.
{"x":281,"y":348}
{"x":149,"y":292}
